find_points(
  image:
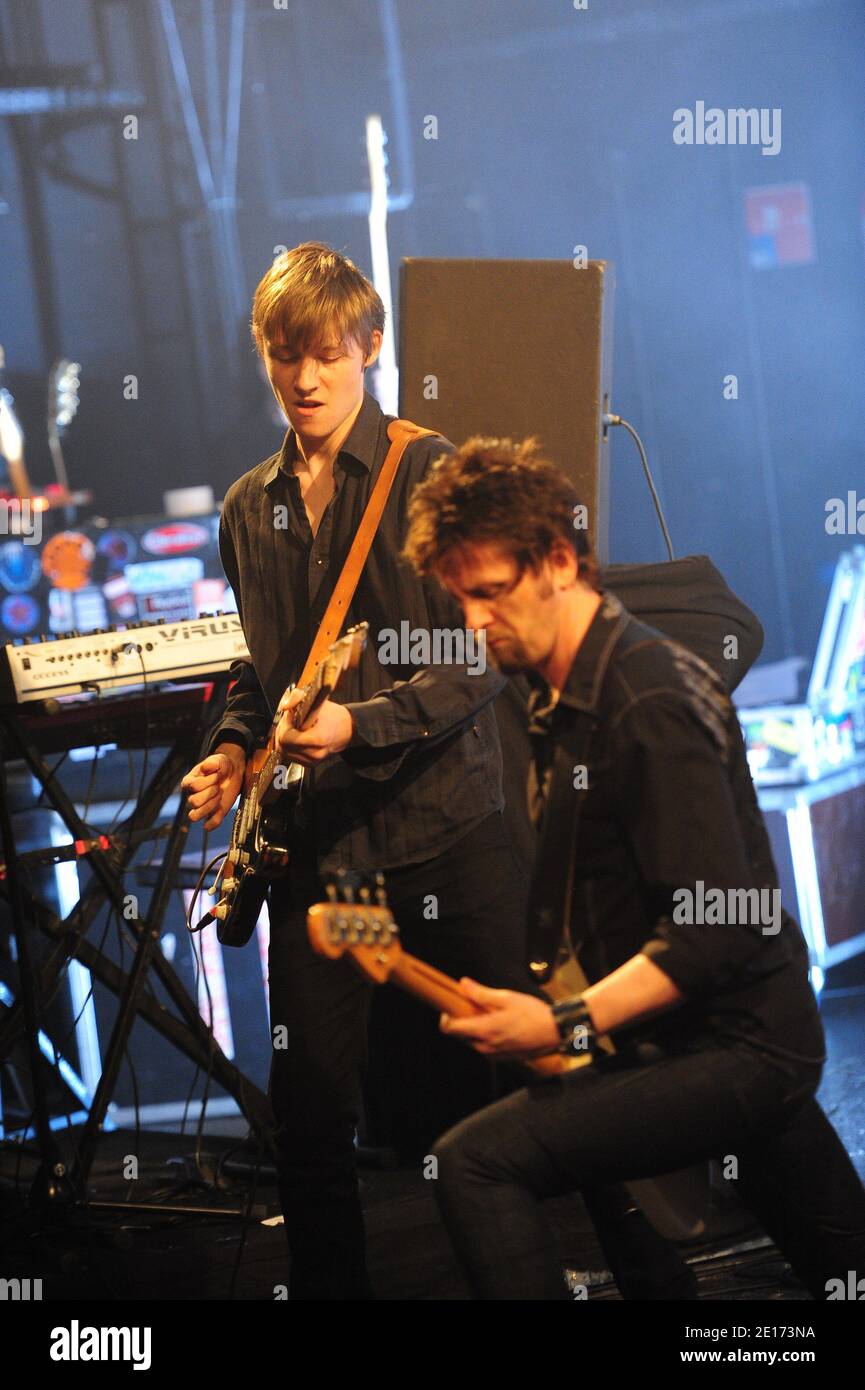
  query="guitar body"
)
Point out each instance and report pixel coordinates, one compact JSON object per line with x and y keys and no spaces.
{"x":259,"y":852}
{"x":261,"y":833}
{"x":248,"y":900}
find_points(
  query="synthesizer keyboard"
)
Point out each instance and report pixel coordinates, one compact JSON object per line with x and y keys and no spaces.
{"x":119,"y":658}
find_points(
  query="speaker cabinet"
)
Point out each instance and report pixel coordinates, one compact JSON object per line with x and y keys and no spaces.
{"x":511,"y":349}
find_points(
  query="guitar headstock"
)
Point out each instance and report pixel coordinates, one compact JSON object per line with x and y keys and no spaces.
{"x":343,"y":655}
{"x":65,"y":379}
{"x":355,"y":640}
{"x":356,"y":921}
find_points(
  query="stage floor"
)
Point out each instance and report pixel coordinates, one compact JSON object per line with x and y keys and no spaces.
{"x":127,"y":1254}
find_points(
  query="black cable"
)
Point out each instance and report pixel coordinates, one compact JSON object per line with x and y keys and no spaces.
{"x":97,"y":689}
{"x":202,"y":1112}
{"x":56,"y":768}
{"x":136,"y":1145}
{"x":609,"y":420}
{"x":247,"y":1217}
{"x":113,"y":911}
{"x":127,"y":796}
{"x":142,"y":781}
{"x":126,"y":856}
{"x":196,"y":892}
{"x":201,"y":974}
{"x":60,"y":1047}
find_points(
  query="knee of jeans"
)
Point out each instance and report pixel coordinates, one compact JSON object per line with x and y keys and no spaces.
{"x":461,"y":1156}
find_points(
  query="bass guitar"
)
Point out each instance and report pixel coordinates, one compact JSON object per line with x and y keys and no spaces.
{"x":356,"y":921}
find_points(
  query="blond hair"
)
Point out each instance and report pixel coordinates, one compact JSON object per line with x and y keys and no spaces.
{"x":312,"y":291}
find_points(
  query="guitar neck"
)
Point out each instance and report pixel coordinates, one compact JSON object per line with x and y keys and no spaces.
{"x":12,"y":446}
{"x":443,"y":993}
{"x":433,"y":986}
{"x":314,"y":691}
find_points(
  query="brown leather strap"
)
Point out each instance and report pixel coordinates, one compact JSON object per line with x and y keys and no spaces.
{"x":401,"y":433}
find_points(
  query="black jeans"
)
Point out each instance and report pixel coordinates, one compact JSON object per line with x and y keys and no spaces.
{"x":612,"y":1122}
{"x":315,"y":1081}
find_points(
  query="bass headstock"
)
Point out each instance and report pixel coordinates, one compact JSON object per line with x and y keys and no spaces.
{"x":356,"y":921}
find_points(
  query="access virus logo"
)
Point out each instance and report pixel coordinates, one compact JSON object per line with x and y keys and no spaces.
{"x":77,"y":1343}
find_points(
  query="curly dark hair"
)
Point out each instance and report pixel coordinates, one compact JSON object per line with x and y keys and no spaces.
{"x":493,"y":490}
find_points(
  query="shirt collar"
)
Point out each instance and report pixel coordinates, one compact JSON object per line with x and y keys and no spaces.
{"x":583,"y":686}
{"x":361,"y":443}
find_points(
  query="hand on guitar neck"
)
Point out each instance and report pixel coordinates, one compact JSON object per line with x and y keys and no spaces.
{"x":357,"y":922}
{"x":327,"y":729}
{"x":510,"y":1024}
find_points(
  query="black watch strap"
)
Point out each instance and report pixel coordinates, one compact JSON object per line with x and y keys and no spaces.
{"x":576,"y":1030}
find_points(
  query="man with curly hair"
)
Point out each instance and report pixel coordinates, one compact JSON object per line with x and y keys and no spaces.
{"x":655,"y":860}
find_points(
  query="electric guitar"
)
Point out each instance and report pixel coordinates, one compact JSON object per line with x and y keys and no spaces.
{"x":259,"y":847}
{"x":12,"y":441}
{"x":356,"y":921}
{"x":63,"y":400}
{"x":63,"y":384}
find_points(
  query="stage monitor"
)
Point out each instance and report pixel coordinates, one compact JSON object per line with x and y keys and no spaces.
{"x":511,"y":349}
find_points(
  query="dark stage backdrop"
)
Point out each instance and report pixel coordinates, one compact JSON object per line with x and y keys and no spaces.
{"x":516,"y":130}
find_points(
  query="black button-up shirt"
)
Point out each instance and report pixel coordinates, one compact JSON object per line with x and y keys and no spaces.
{"x":424,"y":765}
{"x":650,"y":793}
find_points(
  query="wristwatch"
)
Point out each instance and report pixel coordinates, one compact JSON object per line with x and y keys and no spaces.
{"x":576,"y":1030}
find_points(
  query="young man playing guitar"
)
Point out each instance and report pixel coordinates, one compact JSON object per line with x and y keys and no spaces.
{"x":648,"y":814}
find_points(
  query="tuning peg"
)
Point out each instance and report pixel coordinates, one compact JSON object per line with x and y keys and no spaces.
{"x":380,"y":893}
{"x":346,"y":891}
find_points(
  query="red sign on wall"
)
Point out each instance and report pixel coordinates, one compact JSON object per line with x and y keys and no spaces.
{"x":780,"y":228}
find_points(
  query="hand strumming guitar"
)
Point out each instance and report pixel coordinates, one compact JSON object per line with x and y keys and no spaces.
{"x":214,"y":784}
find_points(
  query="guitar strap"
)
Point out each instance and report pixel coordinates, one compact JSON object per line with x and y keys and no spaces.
{"x":401,"y":433}
{"x":551,"y":894}
{"x":551,"y":923}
